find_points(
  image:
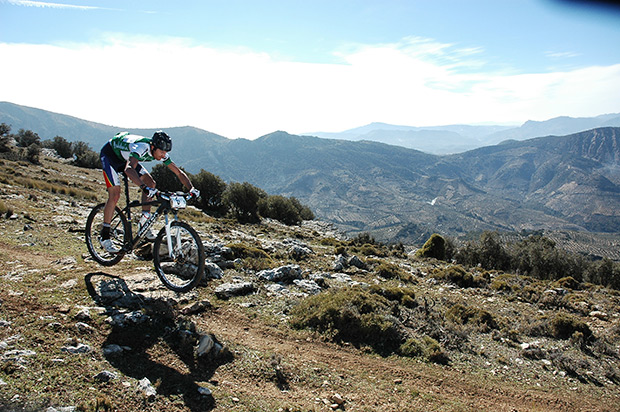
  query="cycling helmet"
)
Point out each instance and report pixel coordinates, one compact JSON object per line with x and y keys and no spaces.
{"x":162,"y":141}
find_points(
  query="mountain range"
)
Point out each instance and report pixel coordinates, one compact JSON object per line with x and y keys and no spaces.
{"x":550,"y":182}
{"x":451,"y":139}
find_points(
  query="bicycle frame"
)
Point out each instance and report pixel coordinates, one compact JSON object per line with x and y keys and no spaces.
{"x":162,"y":209}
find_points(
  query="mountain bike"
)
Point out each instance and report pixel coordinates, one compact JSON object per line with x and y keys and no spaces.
{"x":178,"y":252}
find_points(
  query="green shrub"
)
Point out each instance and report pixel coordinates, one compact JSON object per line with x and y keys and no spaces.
{"x":435,"y":247}
{"x":567,"y":283}
{"x":370,"y":250}
{"x":426,"y":347}
{"x":26,"y":138}
{"x":352,"y":315}
{"x":391,"y":271}
{"x":279,"y":208}
{"x":563,"y":326}
{"x":457,"y":275}
{"x":33,"y":154}
{"x":241,"y":200}
{"x":404,"y":296}
{"x":304,"y":211}
{"x":330,"y":241}
{"x":363,"y":239}
{"x":487,"y":252}
{"x":242,"y":251}
{"x":469,"y":315}
{"x":62,"y":147}
{"x":84,"y":156}
{"x":165,"y":178}
{"x":500,"y":286}
{"x":211,"y":188}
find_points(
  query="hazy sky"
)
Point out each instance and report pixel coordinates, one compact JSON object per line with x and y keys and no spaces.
{"x":245,"y":68}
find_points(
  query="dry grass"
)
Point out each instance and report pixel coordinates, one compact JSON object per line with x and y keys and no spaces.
{"x":436,"y":343}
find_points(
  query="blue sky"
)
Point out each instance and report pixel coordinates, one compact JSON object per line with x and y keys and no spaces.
{"x":244,"y":68}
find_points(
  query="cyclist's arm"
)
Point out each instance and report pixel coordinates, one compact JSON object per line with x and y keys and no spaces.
{"x":130,"y":171}
{"x":181,"y":175}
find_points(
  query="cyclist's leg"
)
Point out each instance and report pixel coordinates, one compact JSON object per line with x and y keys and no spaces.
{"x":110,"y":175}
{"x":148,"y":180}
{"x":114,"y":194}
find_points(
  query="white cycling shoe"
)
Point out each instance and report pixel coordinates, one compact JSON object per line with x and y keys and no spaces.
{"x":109,"y":246}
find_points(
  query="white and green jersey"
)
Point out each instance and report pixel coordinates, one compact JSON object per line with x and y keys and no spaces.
{"x":127,"y":145}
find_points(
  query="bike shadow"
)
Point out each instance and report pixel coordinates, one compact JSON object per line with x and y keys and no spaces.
{"x":150,"y":339}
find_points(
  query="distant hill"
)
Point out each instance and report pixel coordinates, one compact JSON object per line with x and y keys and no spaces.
{"x":452,"y":139}
{"x":189,"y":141}
{"x":396,"y":193}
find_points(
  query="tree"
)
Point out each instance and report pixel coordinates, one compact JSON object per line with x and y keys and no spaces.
{"x":435,"y":247}
{"x":304,"y":211}
{"x":26,"y":138}
{"x":166,"y":179}
{"x":62,"y":147}
{"x":5,"y":129}
{"x":78,"y":148}
{"x":211,"y":188}
{"x":488,"y":252}
{"x":33,"y":153}
{"x":279,"y":208}
{"x":5,"y":138}
{"x":83,"y":156}
{"x":241,"y":200}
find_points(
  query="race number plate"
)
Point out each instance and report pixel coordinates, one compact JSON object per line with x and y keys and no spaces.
{"x":178,"y":202}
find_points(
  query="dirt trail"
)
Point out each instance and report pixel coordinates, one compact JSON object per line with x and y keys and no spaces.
{"x":390,"y":384}
{"x":314,"y":372}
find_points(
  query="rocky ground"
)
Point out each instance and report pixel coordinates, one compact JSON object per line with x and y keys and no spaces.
{"x":78,"y":336}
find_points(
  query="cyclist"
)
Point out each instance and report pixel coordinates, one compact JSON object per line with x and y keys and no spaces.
{"x":123,"y":153}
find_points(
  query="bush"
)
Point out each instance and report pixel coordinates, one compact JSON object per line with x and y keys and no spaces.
{"x":363,"y":239}
{"x":33,"y":154}
{"x":5,"y":210}
{"x":404,"y":296}
{"x":242,"y":251}
{"x":211,"y":191}
{"x":560,"y":326}
{"x":241,"y":200}
{"x":304,"y":211}
{"x":469,"y":315}
{"x":457,"y":275}
{"x":567,"y":283}
{"x":279,"y":208}
{"x":62,"y":147}
{"x":435,"y":247}
{"x":26,"y":138}
{"x":488,"y":252}
{"x":426,"y":347}
{"x":88,"y":159}
{"x":538,"y":256}
{"x":165,"y":178}
{"x":353,"y":315}
{"x":605,"y":272}
{"x":390,"y":271}
{"x":563,"y":326}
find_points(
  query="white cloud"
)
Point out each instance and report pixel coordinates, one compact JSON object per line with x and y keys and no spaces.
{"x":147,"y":82}
{"x":43,"y":4}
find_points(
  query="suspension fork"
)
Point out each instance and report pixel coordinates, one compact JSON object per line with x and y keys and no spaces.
{"x":168,"y":223}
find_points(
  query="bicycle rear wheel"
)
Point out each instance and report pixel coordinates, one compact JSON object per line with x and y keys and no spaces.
{"x":119,"y":229}
{"x":182,"y":268}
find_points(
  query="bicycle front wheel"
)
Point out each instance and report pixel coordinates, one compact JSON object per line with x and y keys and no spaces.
{"x":119,"y":229}
{"x":182,"y":267}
